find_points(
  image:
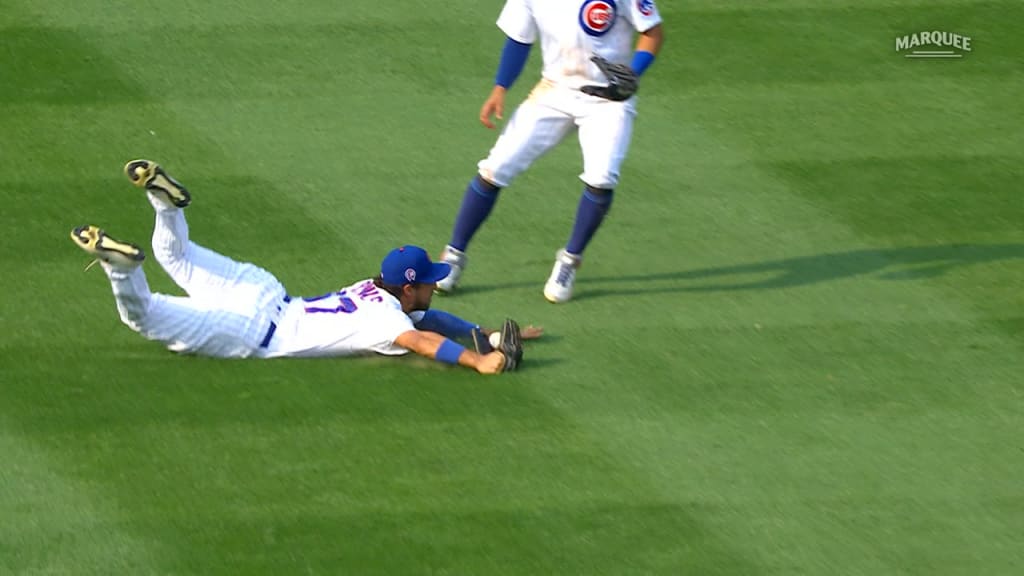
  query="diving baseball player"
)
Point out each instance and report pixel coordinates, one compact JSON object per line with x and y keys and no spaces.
{"x":239,"y":310}
{"x":588,"y":85}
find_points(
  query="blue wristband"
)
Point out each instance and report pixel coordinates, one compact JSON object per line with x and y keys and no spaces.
{"x":449,"y":352}
{"x":513,"y":60}
{"x":642,"y":60}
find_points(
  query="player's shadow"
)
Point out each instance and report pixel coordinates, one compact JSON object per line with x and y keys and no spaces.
{"x":911,"y":263}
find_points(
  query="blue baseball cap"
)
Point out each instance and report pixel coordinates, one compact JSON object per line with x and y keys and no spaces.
{"x":411,"y":265}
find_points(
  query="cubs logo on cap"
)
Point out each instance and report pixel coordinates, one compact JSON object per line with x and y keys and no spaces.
{"x":646,"y":7}
{"x":597,"y":16}
{"x":411,"y":265}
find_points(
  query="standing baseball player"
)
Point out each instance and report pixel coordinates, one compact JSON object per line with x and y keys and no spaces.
{"x":590,"y":77}
{"x":239,"y":310}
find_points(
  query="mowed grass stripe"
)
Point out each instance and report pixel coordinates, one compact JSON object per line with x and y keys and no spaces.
{"x":811,"y":44}
{"x":390,"y":465}
{"x":124,"y":15}
{"x":852,"y":491}
{"x":864,"y":367}
{"x":835,"y":120}
{"x":439,"y":498}
{"x":56,"y":524}
{"x":594,"y":539}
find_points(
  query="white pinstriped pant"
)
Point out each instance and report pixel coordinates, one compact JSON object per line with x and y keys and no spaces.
{"x":229,"y":307}
{"x":546,"y":117}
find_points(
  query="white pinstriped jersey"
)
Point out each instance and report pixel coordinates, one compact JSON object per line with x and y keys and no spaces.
{"x":358,"y":319}
{"x":571,"y":31}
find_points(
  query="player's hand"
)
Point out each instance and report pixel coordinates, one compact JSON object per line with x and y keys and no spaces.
{"x":494,"y":105}
{"x":531,"y":332}
{"x":491,"y":363}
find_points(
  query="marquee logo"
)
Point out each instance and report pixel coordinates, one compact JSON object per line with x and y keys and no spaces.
{"x":933,"y":44}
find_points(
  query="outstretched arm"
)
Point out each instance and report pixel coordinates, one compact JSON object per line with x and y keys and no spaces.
{"x":453,"y":327}
{"x":437,"y":347}
{"x":446,"y":324}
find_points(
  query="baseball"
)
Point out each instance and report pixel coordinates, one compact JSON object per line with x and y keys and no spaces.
{"x":495,"y":338}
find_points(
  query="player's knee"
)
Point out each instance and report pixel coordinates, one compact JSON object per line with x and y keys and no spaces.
{"x":132,"y":315}
{"x":600,"y":180}
{"x":485,"y":185}
{"x":601,"y":196}
{"x":494,"y":174}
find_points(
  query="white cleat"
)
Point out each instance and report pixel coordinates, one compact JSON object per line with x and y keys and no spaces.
{"x":105,"y":248}
{"x":457,"y":259}
{"x":563,"y":276}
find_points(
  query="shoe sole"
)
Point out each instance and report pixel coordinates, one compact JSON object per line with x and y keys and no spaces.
{"x":438,"y":289}
{"x":555,"y":300}
{"x":149,"y":175}
{"x":99,"y":244}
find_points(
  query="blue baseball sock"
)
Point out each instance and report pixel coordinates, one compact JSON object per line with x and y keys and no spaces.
{"x":476,"y":207}
{"x":594,"y":205}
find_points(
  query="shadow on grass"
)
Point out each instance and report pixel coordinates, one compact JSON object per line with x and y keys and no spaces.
{"x":419,"y":362}
{"x":894,"y":264}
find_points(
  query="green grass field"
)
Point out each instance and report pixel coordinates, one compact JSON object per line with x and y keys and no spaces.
{"x":797,"y":347}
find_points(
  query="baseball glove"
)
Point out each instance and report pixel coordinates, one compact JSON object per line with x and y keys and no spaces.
{"x":622,"y":81}
{"x":511,"y":345}
{"x":480,"y":342}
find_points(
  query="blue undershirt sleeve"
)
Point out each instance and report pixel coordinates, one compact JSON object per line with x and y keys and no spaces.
{"x":445,"y":324}
{"x":513,"y":60}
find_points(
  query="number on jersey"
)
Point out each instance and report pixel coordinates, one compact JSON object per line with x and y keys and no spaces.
{"x":332,"y":303}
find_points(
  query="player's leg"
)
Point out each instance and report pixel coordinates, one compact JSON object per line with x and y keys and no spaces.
{"x":199,"y":271}
{"x":605,"y":130}
{"x":532,"y":130}
{"x":182,"y":324}
{"x":122,"y":262}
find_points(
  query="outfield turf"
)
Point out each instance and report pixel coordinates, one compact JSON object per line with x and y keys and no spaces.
{"x":796,"y":347}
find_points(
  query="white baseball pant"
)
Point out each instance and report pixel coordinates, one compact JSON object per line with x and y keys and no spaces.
{"x":546,"y":117}
{"x":230,"y":305}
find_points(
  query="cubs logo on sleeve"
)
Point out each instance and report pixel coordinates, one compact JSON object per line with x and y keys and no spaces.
{"x":597,"y":16}
{"x":645,"y":7}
